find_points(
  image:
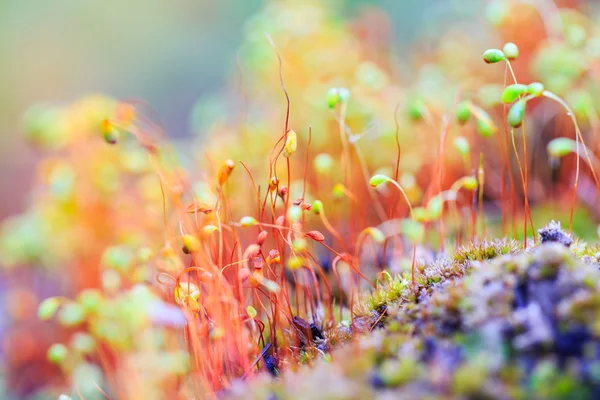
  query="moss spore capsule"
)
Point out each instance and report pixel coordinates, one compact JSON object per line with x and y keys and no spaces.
{"x":511,"y":51}
{"x":109,"y":133}
{"x":248,"y":221}
{"x":517,"y":114}
{"x":492,"y":56}
{"x":535,"y":88}
{"x":463,"y":112}
{"x":513,"y":92}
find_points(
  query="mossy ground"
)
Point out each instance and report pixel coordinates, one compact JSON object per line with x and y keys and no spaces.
{"x":491,"y":321}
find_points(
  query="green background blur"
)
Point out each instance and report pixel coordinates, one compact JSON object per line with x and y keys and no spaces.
{"x":166,"y":52}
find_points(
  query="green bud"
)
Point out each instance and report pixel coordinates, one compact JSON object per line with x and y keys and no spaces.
{"x":57,"y":353}
{"x":511,"y":51}
{"x":323,"y":163}
{"x":492,"y":56}
{"x":378,"y":179}
{"x":535,"y":88}
{"x":560,"y":147}
{"x":412,"y":229}
{"x":48,"y":308}
{"x":417,"y":110}
{"x":248,"y":221}
{"x":333,"y":97}
{"x":71,"y":314}
{"x":294,"y":213}
{"x":463,"y":112}
{"x":462,"y":145}
{"x":517,"y":114}
{"x":317,"y":207}
{"x":513,"y":92}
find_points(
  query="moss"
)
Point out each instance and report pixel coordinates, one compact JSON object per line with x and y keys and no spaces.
{"x":490,"y":321}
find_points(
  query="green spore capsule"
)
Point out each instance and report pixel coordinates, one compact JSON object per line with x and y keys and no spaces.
{"x":48,"y":308}
{"x":417,"y":110}
{"x":317,"y":207}
{"x":560,"y":147}
{"x":535,"y":88}
{"x":333,"y":96}
{"x":511,"y":51}
{"x":513,"y":92}
{"x":517,"y":114}
{"x":323,"y":163}
{"x":57,"y":353}
{"x":463,"y":112}
{"x":485,"y":125}
{"x":248,"y":221}
{"x":344,"y":94}
{"x":462,"y":145}
{"x":492,"y":56}
{"x":378,"y":179}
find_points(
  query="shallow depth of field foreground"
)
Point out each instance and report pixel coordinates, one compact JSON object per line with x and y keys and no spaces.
{"x":357,"y":215}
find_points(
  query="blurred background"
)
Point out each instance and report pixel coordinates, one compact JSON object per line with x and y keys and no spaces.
{"x":170,"y":53}
{"x":179,"y":55}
